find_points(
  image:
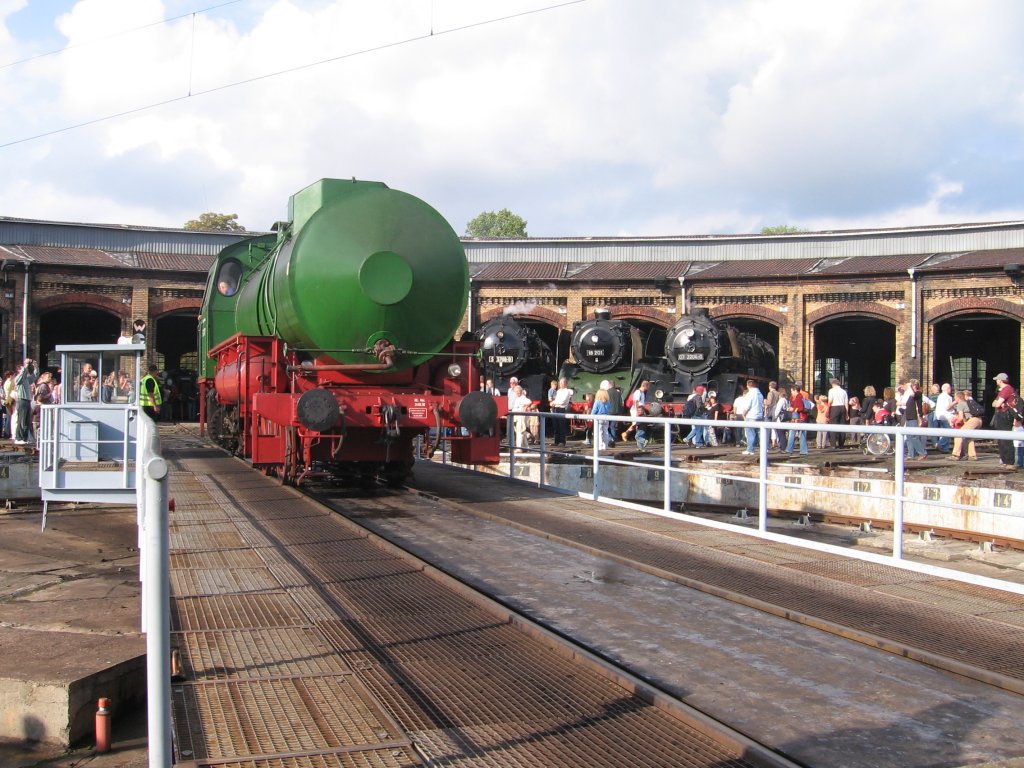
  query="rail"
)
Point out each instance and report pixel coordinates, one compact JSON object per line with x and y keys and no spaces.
{"x":154,"y":571}
{"x":663,"y":425}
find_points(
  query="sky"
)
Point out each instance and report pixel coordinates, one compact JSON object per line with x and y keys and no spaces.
{"x":585,"y":117}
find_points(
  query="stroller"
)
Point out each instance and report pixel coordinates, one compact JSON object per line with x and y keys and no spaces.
{"x":876,"y":443}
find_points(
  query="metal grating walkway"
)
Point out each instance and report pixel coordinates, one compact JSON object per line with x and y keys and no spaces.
{"x":305,"y":644}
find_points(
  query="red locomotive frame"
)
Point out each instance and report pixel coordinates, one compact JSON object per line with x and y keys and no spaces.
{"x":256,"y":396}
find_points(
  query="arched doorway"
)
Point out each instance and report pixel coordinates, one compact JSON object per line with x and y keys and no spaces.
{"x":765,"y":331}
{"x":858,"y":350}
{"x":970,"y":349}
{"x":74,"y":325}
{"x":176,"y":341}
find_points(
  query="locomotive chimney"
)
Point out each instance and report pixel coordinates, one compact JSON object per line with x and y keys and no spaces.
{"x":602,"y":314}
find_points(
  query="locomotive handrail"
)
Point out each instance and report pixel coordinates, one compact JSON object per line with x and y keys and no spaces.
{"x":898,"y":497}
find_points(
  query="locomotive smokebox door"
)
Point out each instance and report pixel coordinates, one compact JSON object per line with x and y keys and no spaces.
{"x":317,"y":410}
{"x":479,"y":413}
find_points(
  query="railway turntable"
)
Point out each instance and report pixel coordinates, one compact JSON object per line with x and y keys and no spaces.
{"x":303,"y":642}
{"x":282,"y":606}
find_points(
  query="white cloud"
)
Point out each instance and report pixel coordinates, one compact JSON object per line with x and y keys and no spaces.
{"x":601,"y":117}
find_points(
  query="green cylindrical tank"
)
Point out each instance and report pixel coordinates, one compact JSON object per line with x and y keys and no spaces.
{"x":357,"y":263}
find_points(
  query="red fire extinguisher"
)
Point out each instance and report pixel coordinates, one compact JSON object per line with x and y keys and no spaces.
{"x":103,"y":726}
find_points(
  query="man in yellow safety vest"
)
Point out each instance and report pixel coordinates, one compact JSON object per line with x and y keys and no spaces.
{"x":149,"y":394}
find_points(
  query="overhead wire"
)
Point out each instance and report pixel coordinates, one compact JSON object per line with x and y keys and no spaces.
{"x":289,"y":70}
{"x":119,"y":33}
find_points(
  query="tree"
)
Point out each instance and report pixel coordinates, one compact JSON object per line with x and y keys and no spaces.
{"x":216,"y":222}
{"x":781,"y":229}
{"x":504,"y":223}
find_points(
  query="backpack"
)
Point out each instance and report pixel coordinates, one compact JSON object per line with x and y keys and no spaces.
{"x":690,"y":409}
{"x":1016,"y":407}
{"x":975,"y":408}
{"x":808,"y":406}
{"x":629,"y":400}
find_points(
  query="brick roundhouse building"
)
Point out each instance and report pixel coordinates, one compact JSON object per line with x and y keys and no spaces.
{"x":940,"y":303}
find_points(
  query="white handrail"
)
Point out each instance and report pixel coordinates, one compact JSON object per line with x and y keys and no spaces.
{"x":898,"y":497}
{"x":154,"y":570}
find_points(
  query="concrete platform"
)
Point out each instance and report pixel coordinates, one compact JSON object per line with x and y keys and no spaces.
{"x":69,"y":626}
{"x":19,"y":473}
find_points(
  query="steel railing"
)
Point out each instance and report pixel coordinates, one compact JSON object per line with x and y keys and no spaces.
{"x":662,"y":427}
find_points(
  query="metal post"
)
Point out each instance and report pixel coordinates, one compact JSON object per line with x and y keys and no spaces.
{"x":667,"y":467}
{"x":157,"y":619}
{"x":762,"y":479}
{"x":540,"y":462}
{"x":596,"y":485}
{"x":511,"y":447}
{"x":897,"y":516}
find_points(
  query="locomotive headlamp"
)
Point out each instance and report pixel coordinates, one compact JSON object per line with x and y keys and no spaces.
{"x":455,"y":370}
{"x":659,"y":393}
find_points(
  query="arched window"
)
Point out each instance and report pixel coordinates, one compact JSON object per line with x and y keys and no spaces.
{"x":228,"y":277}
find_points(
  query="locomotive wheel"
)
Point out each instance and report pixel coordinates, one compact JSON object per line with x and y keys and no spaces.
{"x":214,"y":418}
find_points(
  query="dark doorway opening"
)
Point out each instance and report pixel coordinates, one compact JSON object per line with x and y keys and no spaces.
{"x":856,"y":350}
{"x":176,"y":342}
{"x":547,"y":333}
{"x":763,"y":330}
{"x":75,"y":325}
{"x":970,"y":349}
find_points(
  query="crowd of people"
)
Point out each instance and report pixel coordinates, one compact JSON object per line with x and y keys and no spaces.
{"x":738,"y":423}
{"x":26,"y":388}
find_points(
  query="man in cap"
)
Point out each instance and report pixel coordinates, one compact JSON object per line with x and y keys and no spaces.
{"x":1006,"y":400}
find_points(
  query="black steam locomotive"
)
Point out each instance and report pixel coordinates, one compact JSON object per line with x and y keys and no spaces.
{"x":700,"y":351}
{"x":602,"y":349}
{"x":509,"y":348}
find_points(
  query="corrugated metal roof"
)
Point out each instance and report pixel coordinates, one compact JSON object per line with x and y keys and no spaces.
{"x":633,"y":270}
{"x":92,"y":257}
{"x":78,"y":257}
{"x":116,"y":238}
{"x":976,"y":260}
{"x":176,"y":262}
{"x":870,"y":265}
{"x":738,"y":270}
{"x":521,"y":271}
{"x":910,"y":241}
{"x":704,"y":258}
